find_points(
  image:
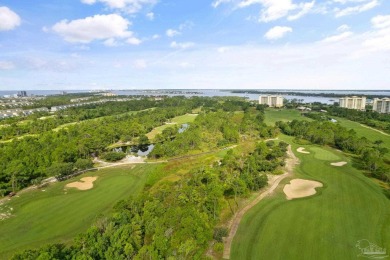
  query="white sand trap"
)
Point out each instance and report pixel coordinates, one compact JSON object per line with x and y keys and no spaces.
{"x":299,"y":188}
{"x":338,"y":164}
{"x":302,"y":150}
{"x":85,"y":183}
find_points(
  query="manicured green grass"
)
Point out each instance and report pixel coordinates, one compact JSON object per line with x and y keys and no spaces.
{"x":325,"y":154}
{"x":179,"y":120}
{"x":273,"y":115}
{"x":349,"y":207}
{"x":56,"y":215}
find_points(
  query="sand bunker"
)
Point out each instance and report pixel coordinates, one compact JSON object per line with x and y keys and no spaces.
{"x":302,"y":150}
{"x":299,"y":188}
{"x":338,"y":164}
{"x":85,"y":183}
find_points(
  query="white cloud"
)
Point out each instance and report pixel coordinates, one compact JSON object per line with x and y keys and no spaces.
{"x":379,"y":38}
{"x":349,"y":1}
{"x":150,"y":16}
{"x":365,"y":6}
{"x":305,"y":9}
{"x":98,"y":27}
{"x":88,"y":2}
{"x":9,"y":20}
{"x":217,"y":3}
{"x":277,"y":32}
{"x":129,"y":6}
{"x":181,"y":28}
{"x":155,"y":36}
{"x":381,"y":21}
{"x":57,"y":64}
{"x":379,"y":42}
{"x":6,"y":65}
{"x":317,"y":65}
{"x":134,"y":41}
{"x":172,"y":33}
{"x":343,"y":28}
{"x":338,"y":37}
{"x":182,"y":45}
{"x":111,"y":42}
{"x":273,"y":10}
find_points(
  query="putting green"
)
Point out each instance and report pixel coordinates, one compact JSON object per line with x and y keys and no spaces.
{"x":324,"y":154}
{"x":55,"y":215}
{"x":327,"y":225}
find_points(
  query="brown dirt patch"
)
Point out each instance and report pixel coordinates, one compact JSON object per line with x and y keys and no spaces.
{"x":299,"y":188}
{"x":85,"y":183}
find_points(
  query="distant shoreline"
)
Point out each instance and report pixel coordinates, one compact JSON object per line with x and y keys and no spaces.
{"x":307,"y":95}
{"x":311,"y":94}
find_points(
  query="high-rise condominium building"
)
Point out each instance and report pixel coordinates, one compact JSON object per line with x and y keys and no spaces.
{"x":381,"y":105}
{"x":22,"y":94}
{"x":354,"y":102}
{"x":271,"y":101}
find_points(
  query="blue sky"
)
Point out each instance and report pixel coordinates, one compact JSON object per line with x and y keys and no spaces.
{"x":150,"y":44}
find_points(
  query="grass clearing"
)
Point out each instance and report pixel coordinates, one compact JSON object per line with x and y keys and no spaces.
{"x":58,"y":128}
{"x":19,"y":137}
{"x":274,"y":115}
{"x":100,"y":118}
{"x":179,"y":120}
{"x":57,"y":215}
{"x":349,"y":207}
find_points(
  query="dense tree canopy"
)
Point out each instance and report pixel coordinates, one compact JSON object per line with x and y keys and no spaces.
{"x":174,"y":219}
{"x":29,"y":158}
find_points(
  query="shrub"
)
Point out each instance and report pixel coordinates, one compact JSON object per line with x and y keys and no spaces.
{"x":113,"y":156}
{"x":60,"y":170}
{"x":218,"y":247}
{"x":83,"y":164}
{"x":219,"y":233}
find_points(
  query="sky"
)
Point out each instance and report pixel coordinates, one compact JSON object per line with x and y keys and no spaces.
{"x":194,"y":44}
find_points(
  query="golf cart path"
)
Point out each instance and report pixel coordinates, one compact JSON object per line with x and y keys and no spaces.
{"x":291,"y":161}
{"x":379,"y":131}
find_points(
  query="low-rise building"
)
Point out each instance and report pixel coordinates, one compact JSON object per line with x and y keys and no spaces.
{"x":381,"y":105}
{"x":271,"y":101}
{"x":358,"y":103}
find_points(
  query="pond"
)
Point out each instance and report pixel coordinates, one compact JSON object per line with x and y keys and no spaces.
{"x":144,"y":150}
{"x":183,"y":128}
{"x":140,"y":150}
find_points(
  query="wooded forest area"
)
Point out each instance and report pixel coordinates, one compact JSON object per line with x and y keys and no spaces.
{"x":179,"y":219}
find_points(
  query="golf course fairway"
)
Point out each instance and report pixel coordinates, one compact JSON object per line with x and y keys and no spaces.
{"x":328,"y":225}
{"x":57,"y":213}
